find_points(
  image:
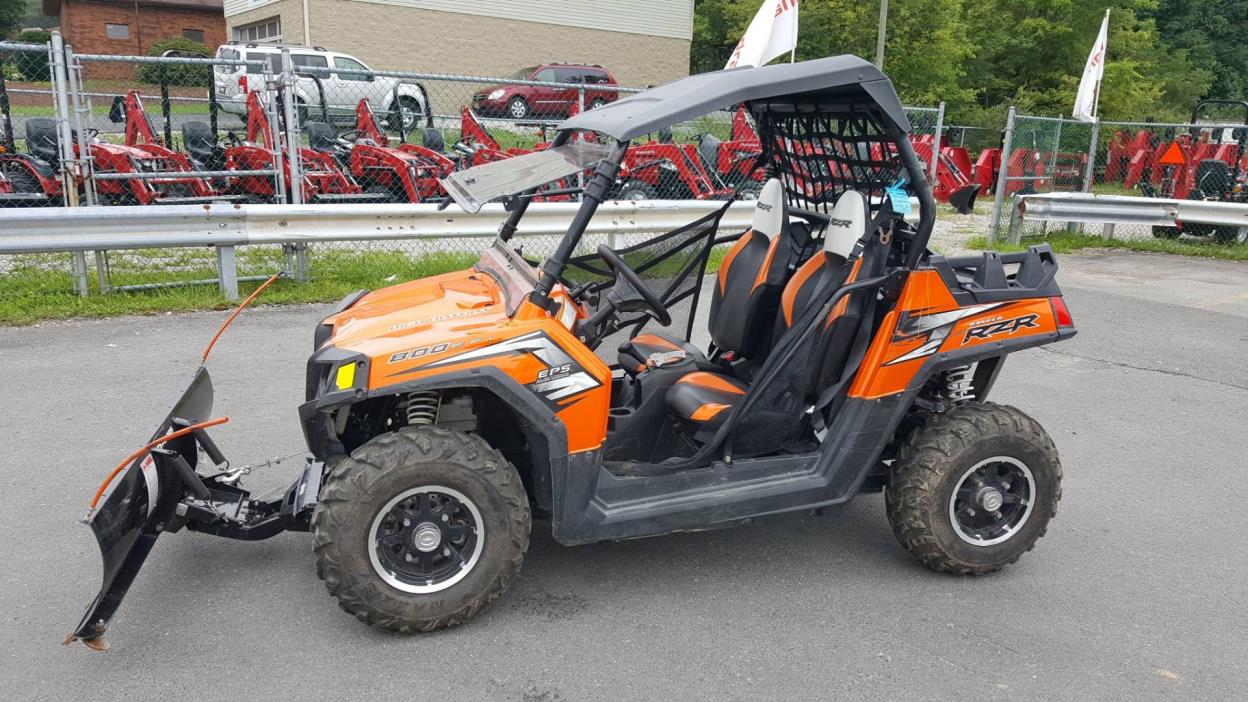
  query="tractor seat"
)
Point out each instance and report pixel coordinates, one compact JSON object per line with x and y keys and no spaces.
{"x":701,"y":398}
{"x":201,"y":142}
{"x":747,"y":288}
{"x":41,"y":140}
{"x":321,"y":137}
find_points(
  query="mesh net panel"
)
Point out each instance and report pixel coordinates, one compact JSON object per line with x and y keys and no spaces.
{"x":671,"y":264}
{"x":819,"y":155}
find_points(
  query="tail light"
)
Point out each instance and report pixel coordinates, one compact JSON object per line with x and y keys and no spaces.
{"x":1061,"y":312}
{"x":242,"y":84}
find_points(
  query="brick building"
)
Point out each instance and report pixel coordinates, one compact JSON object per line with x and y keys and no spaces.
{"x":132,"y":26}
{"x":639,"y":41}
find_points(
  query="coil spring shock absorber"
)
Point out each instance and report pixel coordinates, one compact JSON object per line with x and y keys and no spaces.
{"x":960,"y":384}
{"x":422,"y":408}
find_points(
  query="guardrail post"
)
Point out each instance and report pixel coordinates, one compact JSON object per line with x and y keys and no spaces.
{"x":1015,"y":233}
{"x":940,"y":127}
{"x":999,"y":197}
{"x":227,"y":272}
{"x":79,"y":265}
{"x":101,"y":272}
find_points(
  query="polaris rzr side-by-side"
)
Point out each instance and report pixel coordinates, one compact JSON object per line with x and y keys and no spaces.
{"x":444,"y":415}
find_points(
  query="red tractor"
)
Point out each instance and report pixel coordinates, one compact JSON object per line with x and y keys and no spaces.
{"x":141,"y":137}
{"x":323,"y":179}
{"x":663,"y":169}
{"x":736,"y":161}
{"x":397,"y":174}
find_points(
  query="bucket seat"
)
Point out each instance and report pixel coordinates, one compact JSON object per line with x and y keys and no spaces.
{"x":744,"y":297}
{"x":701,"y":399}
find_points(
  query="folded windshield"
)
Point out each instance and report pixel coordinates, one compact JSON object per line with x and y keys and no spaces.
{"x":474,"y":187}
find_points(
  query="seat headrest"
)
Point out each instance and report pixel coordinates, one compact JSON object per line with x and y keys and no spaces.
{"x":769,"y":211}
{"x":849,"y":220}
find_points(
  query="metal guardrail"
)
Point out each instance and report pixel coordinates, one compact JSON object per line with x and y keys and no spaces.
{"x":224,"y":226}
{"x":1111,"y":210}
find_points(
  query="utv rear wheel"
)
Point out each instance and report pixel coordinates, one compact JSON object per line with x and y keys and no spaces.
{"x":973,"y":490}
{"x":420,"y":529}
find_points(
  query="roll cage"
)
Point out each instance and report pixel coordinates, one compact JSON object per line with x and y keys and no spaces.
{"x":826,"y":126}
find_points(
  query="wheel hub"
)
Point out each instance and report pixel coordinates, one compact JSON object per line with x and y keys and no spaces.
{"x":990,"y":499}
{"x":427,"y":537}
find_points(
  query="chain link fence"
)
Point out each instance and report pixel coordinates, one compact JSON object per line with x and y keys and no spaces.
{"x":1203,"y":159}
{"x":260,"y":123}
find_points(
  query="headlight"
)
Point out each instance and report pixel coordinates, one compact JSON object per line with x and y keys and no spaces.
{"x":496,"y":94}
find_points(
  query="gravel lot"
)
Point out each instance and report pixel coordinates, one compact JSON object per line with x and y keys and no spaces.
{"x":1139,"y":590}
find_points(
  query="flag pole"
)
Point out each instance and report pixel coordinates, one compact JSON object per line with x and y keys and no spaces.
{"x":793,"y":52}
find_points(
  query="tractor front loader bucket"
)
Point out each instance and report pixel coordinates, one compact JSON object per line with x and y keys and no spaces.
{"x":963,"y":199}
{"x":157,"y":490}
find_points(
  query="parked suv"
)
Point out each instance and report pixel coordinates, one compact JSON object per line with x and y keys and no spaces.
{"x":342,"y":78}
{"x":524,"y":101}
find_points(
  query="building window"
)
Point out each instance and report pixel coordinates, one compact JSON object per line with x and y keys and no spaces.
{"x":117,"y":31}
{"x":268,"y":30}
{"x":195,"y":35}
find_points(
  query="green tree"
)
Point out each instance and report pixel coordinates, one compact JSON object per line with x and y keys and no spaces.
{"x":178,"y":74}
{"x":11,"y":14}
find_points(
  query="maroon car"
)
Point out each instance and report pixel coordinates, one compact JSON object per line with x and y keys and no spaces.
{"x":524,"y":101}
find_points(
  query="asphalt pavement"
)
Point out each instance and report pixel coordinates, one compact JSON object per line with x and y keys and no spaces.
{"x":1139,"y":590}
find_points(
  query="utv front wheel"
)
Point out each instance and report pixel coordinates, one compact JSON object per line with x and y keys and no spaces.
{"x":974,"y":489}
{"x":420,"y":529}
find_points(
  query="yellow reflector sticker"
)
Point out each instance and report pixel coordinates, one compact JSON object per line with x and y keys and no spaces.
{"x":346,"y":376}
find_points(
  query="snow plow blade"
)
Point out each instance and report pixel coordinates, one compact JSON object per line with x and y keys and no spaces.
{"x":157,"y":490}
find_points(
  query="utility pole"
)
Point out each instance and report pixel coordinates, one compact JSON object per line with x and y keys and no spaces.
{"x":879,"y":42}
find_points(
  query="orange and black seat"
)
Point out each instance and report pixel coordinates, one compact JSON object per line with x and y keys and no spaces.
{"x":703,"y":399}
{"x":743,"y":301}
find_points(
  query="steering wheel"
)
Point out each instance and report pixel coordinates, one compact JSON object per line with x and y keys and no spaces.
{"x":622,"y":270}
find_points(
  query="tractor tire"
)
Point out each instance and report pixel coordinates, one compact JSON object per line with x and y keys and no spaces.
{"x":596,"y":103}
{"x":518,"y":108}
{"x":635,"y":190}
{"x":405,"y":501}
{"x":408,"y":117}
{"x":1165,"y":232}
{"x":974,"y":489}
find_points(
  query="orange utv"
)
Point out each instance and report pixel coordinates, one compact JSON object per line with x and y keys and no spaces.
{"x":695,"y":379}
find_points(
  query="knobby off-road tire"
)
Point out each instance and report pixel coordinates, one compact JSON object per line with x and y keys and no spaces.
{"x":941,"y":456}
{"x":361,"y":486}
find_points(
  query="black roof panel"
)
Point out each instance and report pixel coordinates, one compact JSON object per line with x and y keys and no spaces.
{"x":836,"y":77}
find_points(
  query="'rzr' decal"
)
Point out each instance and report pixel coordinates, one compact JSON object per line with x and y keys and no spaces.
{"x":934,"y":328}
{"x":1009,"y":326}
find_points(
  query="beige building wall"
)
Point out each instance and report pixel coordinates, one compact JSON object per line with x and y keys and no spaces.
{"x":392,"y":37}
{"x":290,"y":12}
{"x":399,"y":38}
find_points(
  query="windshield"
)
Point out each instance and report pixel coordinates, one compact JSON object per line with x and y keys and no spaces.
{"x":474,"y":187}
{"x":523,"y":73}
